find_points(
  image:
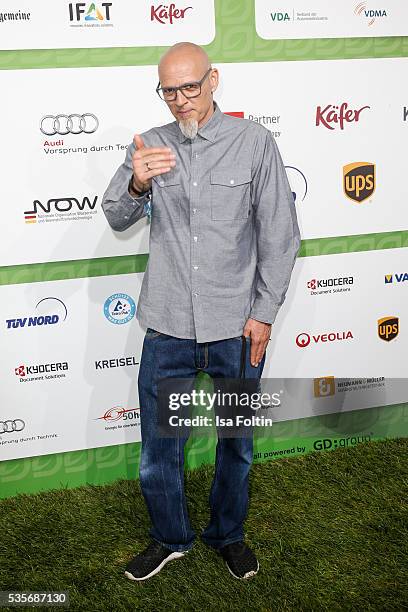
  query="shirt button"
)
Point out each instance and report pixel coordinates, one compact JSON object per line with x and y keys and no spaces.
{"x":195,"y":267}
{"x":195,"y":237}
{"x":161,"y":182}
{"x":195,"y":294}
{"x":196,"y":156}
{"x":195,"y":184}
{"x":194,"y":210}
{"x":232,"y":181}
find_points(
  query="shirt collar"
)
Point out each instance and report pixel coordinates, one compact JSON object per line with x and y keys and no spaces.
{"x":210,"y":129}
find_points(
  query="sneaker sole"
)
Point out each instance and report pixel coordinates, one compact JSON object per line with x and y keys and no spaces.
{"x":174,"y":555}
{"x":247,"y":575}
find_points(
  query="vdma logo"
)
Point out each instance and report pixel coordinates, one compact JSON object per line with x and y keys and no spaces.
{"x":359,"y":181}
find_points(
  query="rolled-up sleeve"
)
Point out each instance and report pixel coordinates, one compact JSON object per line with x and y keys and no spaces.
{"x":121,"y":210}
{"x":276,"y":228}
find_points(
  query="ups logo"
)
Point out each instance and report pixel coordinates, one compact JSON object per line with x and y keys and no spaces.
{"x":359,"y":180}
{"x":388,"y":328}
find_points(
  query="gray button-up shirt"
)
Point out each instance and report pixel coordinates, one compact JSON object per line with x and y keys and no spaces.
{"x":223,"y":234}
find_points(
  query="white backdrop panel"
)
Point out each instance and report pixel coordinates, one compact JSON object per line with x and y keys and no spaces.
{"x":118,"y":23}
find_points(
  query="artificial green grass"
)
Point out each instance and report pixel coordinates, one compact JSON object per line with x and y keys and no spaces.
{"x":329,"y":530}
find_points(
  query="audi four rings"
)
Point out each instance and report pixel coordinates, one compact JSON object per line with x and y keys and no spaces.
{"x":10,"y":426}
{"x":69,"y":124}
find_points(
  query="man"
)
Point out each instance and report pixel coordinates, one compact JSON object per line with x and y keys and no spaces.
{"x":223,"y":242}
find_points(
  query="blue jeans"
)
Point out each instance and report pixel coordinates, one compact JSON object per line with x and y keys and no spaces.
{"x":162,"y":459}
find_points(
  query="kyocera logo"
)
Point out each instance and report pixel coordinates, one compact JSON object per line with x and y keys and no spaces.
{"x":304,"y":339}
{"x":322,"y":283}
{"x":167,"y":13}
{"x":60,"y":205}
{"x":332,"y":116}
{"x":41,"y":368}
{"x":51,"y":310}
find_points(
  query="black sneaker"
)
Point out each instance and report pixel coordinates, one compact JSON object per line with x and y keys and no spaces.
{"x":240,"y":560}
{"x":150,"y":561}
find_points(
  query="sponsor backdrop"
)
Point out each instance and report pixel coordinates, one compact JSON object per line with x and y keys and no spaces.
{"x":328,"y":82}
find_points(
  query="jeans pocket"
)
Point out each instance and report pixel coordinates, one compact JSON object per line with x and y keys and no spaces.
{"x":152,"y":333}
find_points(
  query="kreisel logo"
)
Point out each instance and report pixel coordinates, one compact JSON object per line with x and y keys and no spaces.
{"x":167,"y":13}
{"x":359,"y":180}
{"x":388,"y":328}
{"x":333,"y":117}
{"x":304,"y":339}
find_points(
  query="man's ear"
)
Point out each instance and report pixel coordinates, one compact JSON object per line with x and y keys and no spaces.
{"x":214,"y":77}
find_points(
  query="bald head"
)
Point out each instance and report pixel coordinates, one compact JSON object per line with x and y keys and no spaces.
{"x":183,"y":56}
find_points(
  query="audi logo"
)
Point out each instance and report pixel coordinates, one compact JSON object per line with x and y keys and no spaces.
{"x":69,"y":124}
{"x":11,"y":426}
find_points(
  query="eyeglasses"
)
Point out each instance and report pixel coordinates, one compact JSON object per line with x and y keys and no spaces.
{"x":189,"y":90}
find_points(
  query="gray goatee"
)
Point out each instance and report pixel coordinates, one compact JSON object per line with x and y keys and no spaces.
{"x":189,"y":127}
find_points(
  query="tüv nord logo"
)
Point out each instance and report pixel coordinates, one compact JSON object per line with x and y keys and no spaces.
{"x":49,"y":311}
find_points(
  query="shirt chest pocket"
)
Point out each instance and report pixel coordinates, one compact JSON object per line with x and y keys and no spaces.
{"x":166,"y":196}
{"x":230,"y":193}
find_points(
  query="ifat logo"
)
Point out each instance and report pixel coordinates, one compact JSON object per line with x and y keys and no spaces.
{"x":92,"y":14}
{"x":359,"y":180}
{"x":388,"y":328}
{"x":119,"y":308}
{"x":51,"y":311}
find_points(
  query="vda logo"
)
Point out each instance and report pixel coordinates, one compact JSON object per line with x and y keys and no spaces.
{"x":388,"y":328}
{"x":280,"y":17}
{"x":359,"y":180}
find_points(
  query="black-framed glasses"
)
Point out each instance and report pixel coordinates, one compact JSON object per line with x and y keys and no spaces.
{"x":189,"y":90}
